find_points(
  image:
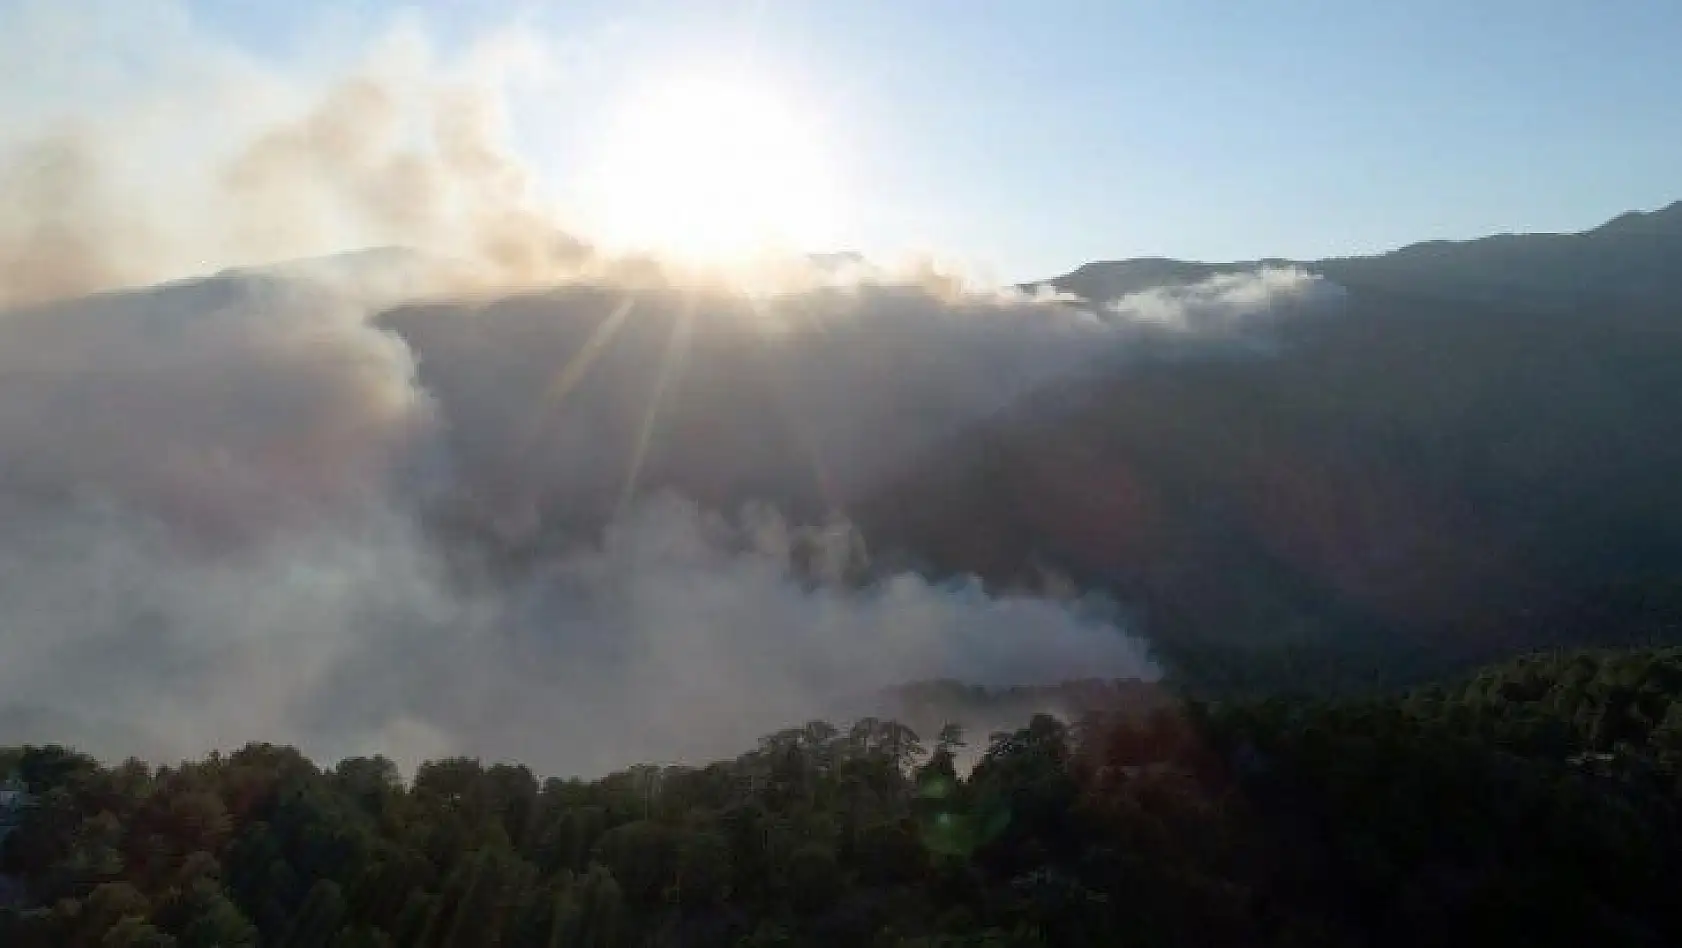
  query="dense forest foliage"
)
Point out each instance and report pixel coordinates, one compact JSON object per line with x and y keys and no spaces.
{"x":1533,"y":803}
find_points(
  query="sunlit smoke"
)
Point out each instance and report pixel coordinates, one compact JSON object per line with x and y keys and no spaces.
{"x":488,"y":492}
{"x":236,"y":163}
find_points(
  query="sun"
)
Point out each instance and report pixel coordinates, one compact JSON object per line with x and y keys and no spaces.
{"x":711,"y":172}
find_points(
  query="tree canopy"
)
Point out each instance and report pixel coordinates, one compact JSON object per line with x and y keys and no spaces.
{"x":1535,"y":801}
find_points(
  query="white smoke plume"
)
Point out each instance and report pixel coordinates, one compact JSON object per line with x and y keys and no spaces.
{"x":137,"y":148}
{"x":318,"y":504}
{"x":1226,"y":301}
{"x":676,"y":636}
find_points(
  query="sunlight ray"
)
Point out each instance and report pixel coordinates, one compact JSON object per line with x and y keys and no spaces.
{"x":574,"y":372}
{"x":677,"y":347}
{"x":798,"y":427}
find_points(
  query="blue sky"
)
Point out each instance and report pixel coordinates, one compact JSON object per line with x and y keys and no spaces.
{"x":1033,"y":136}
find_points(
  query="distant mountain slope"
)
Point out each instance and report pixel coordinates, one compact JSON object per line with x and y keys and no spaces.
{"x":1483,"y":450}
{"x":1633,"y":259}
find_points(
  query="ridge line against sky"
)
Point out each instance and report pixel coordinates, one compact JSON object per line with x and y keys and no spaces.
{"x":1031,"y":138}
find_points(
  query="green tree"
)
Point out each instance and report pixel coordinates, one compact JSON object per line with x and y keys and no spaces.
{"x":813,"y":879}
{"x":211,"y":920}
{"x":321,"y":916}
{"x":643,"y":858}
{"x":704,"y":871}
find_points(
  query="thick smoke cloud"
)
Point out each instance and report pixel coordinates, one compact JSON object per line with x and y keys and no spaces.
{"x":137,"y":148}
{"x":317,"y":503}
{"x":255,"y":507}
{"x":226,"y":405}
{"x":560,"y":403}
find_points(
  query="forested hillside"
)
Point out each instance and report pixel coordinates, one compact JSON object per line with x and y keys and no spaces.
{"x":1535,"y":802}
{"x":1476,"y":454}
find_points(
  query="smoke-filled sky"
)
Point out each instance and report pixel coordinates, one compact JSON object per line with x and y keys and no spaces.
{"x":1037,"y":136}
{"x":503,"y":492}
{"x":1028,"y":137}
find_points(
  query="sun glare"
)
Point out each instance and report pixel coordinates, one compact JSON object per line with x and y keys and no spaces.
{"x":712,"y":173}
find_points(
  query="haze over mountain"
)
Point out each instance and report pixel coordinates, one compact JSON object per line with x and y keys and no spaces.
{"x":1477,"y":456}
{"x":1284,"y":475}
{"x":273,"y":502}
{"x":1629,"y":260}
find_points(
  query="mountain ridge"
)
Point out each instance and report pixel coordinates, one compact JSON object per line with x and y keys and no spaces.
{"x":1461,"y":465}
{"x":1531,"y":261}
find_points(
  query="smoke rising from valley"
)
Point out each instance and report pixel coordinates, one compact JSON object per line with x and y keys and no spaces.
{"x":498,"y":495}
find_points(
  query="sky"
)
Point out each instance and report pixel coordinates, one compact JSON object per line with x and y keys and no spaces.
{"x":1027,"y":138}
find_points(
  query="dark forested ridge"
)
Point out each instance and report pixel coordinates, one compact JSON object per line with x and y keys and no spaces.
{"x":1476,"y":456}
{"x":1535,"y":802}
{"x":1627,"y":261}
